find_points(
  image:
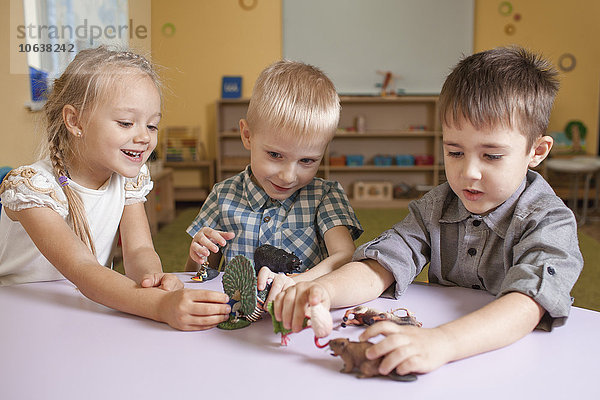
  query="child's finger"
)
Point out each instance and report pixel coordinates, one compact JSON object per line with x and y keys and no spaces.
{"x":150,"y":280}
{"x":284,"y":307}
{"x":381,"y":328}
{"x":387,"y":345}
{"x":207,"y":322}
{"x":208,"y":296}
{"x":208,"y":309}
{"x":170,"y":283}
{"x":264,"y":274}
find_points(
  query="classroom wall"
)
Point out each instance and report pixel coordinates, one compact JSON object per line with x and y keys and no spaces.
{"x":553,"y":27}
{"x":212,"y":38}
{"x":20,"y":136}
{"x":217,"y":37}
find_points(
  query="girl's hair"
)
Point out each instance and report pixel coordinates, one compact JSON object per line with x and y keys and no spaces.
{"x":85,"y":83}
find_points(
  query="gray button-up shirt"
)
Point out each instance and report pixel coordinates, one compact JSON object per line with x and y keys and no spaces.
{"x":528,"y":244}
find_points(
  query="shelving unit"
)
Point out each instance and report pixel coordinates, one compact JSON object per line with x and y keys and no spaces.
{"x":392,"y":126}
{"x":184,"y":153}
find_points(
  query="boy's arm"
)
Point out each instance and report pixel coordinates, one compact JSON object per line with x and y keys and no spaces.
{"x":340,"y":248}
{"x":350,"y":284}
{"x":420,"y":350}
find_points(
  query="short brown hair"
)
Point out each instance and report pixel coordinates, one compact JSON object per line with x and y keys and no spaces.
{"x":294,"y":98}
{"x":506,"y":86}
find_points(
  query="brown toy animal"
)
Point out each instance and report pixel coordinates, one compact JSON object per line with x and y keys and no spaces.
{"x":354,"y":356}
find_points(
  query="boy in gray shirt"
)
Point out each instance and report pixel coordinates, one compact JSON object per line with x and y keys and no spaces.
{"x":495,"y":225}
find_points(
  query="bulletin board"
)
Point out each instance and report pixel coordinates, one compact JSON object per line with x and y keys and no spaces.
{"x":350,"y":40}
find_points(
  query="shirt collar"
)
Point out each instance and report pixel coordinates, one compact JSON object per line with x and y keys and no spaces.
{"x":498,"y":220}
{"x":256,"y":196}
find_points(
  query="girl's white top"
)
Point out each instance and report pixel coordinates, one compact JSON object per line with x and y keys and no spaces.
{"x":36,"y":186}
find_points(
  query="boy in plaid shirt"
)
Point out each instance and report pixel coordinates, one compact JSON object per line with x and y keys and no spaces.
{"x":277,"y":200}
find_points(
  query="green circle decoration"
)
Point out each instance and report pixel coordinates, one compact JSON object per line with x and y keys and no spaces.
{"x":168,"y":29}
{"x":505,"y":8}
{"x":575,"y":124}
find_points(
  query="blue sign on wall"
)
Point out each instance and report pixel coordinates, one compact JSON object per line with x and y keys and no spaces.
{"x":232,"y":87}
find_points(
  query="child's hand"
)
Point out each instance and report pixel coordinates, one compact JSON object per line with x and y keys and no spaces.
{"x":407,"y":349}
{"x":168,"y":282}
{"x":279,"y":282}
{"x":207,"y":240}
{"x":291,"y":305}
{"x":191,"y":310}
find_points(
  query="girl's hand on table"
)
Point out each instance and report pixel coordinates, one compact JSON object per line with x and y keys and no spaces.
{"x":191,"y":310}
{"x":161,"y":280}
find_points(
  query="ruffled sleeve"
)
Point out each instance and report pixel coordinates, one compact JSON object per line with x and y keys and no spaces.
{"x":136,"y":189}
{"x":28,"y":187}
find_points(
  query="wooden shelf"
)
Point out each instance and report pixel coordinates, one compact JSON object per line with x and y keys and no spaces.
{"x":393,"y":126}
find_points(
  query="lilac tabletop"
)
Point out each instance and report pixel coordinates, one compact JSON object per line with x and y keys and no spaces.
{"x":57,"y":344}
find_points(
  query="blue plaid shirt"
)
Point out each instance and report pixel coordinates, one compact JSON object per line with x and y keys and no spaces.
{"x":297,"y":224}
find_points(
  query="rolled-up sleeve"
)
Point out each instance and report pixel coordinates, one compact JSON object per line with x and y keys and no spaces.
{"x":403,"y":250}
{"x":546,"y":262}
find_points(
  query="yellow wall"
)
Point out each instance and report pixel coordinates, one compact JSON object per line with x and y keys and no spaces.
{"x":553,"y":27}
{"x":212,"y":38}
{"x":20,"y":134}
{"x":217,"y":37}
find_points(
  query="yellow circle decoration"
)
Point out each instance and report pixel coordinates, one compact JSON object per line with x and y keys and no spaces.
{"x":509,"y":29}
{"x":567,"y":62}
{"x":248,"y":4}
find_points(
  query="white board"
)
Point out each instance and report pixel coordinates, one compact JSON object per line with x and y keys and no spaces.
{"x":350,"y":40}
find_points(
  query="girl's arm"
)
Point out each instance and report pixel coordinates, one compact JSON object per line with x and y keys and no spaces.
{"x":182,"y":309}
{"x":140,"y":260}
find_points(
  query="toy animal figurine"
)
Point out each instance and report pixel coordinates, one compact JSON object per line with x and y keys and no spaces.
{"x":363,"y":315}
{"x":276,"y":259}
{"x":205,"y":273}
{"x":239,"y":283}
{"x":354,"y":356}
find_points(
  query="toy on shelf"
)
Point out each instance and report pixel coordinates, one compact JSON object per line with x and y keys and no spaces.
{"x":182,"y":143}
{"x":355,"y":160}
{"x":424,"y":159}
{"x":405,"y":160}
{"x":276,"y":259}
{"x":354,"y":356}
{"x":388,"y":86}
{"x":363,"y":315}
{"x":382,"y":161}
{"x":337,"y":161}
{"x":372,"y":190}
{"x":417,"y":128}
{"x":404,"y":191}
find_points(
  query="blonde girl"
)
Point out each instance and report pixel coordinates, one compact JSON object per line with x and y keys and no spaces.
{"x":61,"y":216}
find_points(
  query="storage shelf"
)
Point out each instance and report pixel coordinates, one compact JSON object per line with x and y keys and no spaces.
{"x":396,"y":125}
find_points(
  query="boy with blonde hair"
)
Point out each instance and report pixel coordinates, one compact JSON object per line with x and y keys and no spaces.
{"x":494,"y":226}
{"x":292,"y":116}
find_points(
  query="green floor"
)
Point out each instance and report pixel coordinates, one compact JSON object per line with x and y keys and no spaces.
{"x":172,"y":244}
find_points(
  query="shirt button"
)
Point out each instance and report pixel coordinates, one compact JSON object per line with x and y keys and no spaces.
{"x":551,"y":271}
{"x":266,"y":219}
{"x":476,"y":287}
{"x":477,"y":222}
{"x":472,"y":251}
